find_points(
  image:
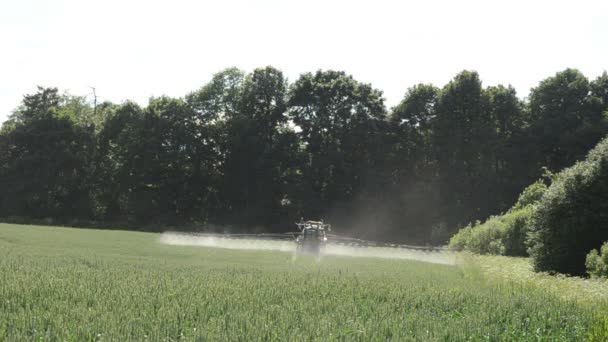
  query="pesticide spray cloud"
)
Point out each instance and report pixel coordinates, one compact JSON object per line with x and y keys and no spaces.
{"x":435,"y":257}
{"x":179,"y":239}
{"x":219,"y":241}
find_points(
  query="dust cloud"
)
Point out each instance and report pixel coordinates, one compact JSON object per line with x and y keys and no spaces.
{"x":436,"y":257}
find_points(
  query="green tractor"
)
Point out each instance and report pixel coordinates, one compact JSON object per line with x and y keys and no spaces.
{"x":312,"y":238}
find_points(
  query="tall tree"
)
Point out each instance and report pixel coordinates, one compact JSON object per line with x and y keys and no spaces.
{"x":414,"y":194}
{"x":511,"y":171}
{"x":257,"y":159}
{"x":599,"y":92}
{"x":45,"y":162}
{"x":156,"y":164}
{"x":463,"y":140}
{"x":564,"y":125}
{"x":216,"y":104}
{"x":341,"y":123}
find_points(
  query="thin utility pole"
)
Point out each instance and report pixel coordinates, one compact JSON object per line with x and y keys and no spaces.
{"x":94,"y":102}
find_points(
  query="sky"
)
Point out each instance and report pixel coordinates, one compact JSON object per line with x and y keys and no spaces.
{"x":138,"y":49}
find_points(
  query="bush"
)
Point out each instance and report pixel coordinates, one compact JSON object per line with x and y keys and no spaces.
{"x":517,"y":225}
{"x":487,"y":237}
{"x":597,"y":265}
{"x":506,"y":234}
{"x":531,"y":195}
{"x":481,"y":238}
{"x":459,"y":240}
{"x":572,"y":216}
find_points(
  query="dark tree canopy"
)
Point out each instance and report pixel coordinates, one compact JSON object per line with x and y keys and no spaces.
{"x":251,"y":151}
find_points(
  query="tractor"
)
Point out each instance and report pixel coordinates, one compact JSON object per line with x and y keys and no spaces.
{"x":312,"y":238}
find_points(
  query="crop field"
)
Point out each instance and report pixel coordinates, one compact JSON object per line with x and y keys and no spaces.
{"x":78,"y":285}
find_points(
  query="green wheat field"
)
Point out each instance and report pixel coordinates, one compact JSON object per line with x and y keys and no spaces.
{"x":62,"y":284}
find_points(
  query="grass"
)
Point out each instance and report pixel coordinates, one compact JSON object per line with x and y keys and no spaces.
{"x":77,"y":285}
{"x":519,"y":270}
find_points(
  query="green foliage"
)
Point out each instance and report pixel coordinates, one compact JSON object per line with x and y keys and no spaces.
{"x":166,"y":186}
{"x":253,"y":150}
{"x":341,"y":123}
{"x":572,"y":216}
{"x":531,"y":195}
{"x":70,"y":284}
{"x":596,"y":263}
{"x":462,"y":144}
{"x":478,"y":134}
{"x":43,"y":104}
{"x":506,"y":234}
{"x":460,"y":240}
{"x":45,"y":160}
{"x":480,"y":238}
{"x":517,"y":225}
{"x":411,"y":157}
{"x":262,"y":153}
{"x":564,"y":109}
{"x":417,"y":108}
{"x":78,"y":110}
{"x":599,"y":89}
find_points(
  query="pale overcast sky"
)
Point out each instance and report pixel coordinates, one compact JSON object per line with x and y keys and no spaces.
{"x":137,"y":49}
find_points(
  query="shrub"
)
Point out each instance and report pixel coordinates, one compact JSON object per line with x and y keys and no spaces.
{"x":487,"y":237}
{"x":481,"y":238}
{"x":506,"y":234}
{"x":597,"y":265}
{"x":517,"y":225}
{"x":460,"y":239}
{"x":531,"y":195}
{"x":572,"y":216}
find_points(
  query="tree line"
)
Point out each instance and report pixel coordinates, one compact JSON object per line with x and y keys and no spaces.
{"x":560,"y":221}
{"x":255,"y":152}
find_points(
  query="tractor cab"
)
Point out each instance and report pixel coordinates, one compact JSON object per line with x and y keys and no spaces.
{"x":312,"y":238}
